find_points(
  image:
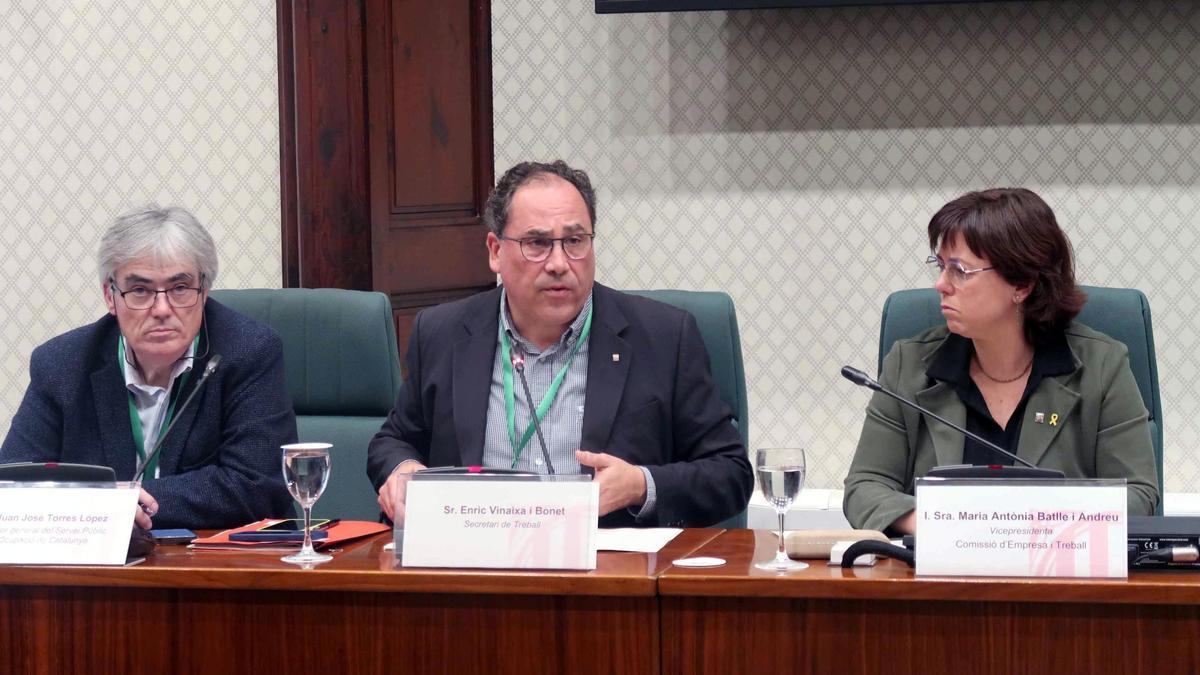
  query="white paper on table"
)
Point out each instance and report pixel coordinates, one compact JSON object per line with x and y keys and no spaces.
{"x":635,"y":539}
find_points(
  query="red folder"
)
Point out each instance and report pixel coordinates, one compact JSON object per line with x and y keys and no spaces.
{"x":339,"y":533}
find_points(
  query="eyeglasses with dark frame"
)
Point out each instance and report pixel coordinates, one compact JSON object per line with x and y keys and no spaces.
{"x":179,"y":296}
{"x":537,"y":249}
{"x":959,"y":275}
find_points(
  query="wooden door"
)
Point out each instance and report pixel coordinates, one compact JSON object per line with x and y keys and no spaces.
{"x":430,"y":111}
{"x":386,"y":122}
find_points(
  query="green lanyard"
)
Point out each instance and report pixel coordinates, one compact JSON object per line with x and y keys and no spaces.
{"x":543,"y":407}
{"x":135,"y":420}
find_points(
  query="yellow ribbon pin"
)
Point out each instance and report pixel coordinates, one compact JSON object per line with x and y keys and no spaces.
{"x":1053,"y":419}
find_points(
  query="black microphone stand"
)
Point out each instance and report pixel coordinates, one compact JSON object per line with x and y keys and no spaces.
{"x":141,"y":542}
{"x":208,"y":370}
{"x":1026,"y":470}
{"x":518,"y":362}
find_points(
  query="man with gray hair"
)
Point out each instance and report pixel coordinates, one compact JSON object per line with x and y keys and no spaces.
{"x":104,"y":393}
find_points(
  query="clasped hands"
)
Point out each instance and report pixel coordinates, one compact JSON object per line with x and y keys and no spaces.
{"x":621,"y":484}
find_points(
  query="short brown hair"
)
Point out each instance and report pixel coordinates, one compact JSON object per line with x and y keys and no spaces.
{"x":1016,"y":230}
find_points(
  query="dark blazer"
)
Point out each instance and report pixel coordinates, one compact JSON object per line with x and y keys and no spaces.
{"x":656,"y":406}
{"x":1102,"y":430}
{"x":220,"y":465}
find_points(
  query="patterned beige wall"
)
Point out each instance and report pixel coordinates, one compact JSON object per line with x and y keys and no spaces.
{"x":110,"y":104}
{"x":793,"y":157}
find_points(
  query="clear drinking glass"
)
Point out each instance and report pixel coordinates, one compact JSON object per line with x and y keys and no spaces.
{"x":306,"y":471}
{"x":780,"y":473}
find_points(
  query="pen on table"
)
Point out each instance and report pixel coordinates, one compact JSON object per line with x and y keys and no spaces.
{"x":326,"y":526}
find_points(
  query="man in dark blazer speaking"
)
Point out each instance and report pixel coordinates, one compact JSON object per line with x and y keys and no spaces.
{"x":103,"y":394}
{"x":620,"y":383}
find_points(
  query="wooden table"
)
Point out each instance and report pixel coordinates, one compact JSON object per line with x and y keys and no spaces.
{"x":215,"y":613}
{"x":883,"y":619}
{"x":219,"y":612}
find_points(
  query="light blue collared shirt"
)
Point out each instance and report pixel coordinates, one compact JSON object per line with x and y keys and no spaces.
{"x":152,"y":402}
{"x":563,"y":425}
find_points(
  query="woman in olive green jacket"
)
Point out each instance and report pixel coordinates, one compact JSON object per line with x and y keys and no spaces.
{"x":1009,"y":365}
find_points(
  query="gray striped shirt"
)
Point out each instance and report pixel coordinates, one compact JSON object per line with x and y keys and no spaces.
{"x":563,"y":423}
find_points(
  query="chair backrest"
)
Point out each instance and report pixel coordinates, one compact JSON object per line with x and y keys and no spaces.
{"x":343,"y":373}
{"x":1121,"y":313}
{"x":717,"y":319}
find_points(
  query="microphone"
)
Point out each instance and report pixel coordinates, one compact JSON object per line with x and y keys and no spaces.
{"x":860,"y":378}
{"x":518,"y":363}
{"x":141,"y":542}
{"x":863,"y":380}
{"x":208,"y":370}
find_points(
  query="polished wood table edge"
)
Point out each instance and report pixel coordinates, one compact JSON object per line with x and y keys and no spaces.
{"x":893,"y":580}
{"x":261,"y":570}
{"x":448,"y":582}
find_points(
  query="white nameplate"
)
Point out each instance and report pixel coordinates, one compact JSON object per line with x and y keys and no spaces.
{"x":501,"y":524}
{"x":1007,"y":528}
{"x":65,"y":523}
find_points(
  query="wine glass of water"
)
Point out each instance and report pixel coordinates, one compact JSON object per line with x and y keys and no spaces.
{"x":306,"y":471}
{"x":780,"y":474}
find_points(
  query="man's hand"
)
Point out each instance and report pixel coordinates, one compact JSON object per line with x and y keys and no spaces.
{"x":621,"y":483}
{"x":394,"y":490}
{"x":147,"y":506}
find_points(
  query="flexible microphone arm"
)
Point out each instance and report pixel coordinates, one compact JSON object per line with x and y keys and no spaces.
{"x":863,"y":380}
{"x":208,"y":370}
{"x":518,"y":362}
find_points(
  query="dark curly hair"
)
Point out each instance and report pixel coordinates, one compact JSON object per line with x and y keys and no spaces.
{"x":499,"y":203}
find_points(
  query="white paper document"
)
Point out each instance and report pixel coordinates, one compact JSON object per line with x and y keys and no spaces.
{"x":635,"y":539}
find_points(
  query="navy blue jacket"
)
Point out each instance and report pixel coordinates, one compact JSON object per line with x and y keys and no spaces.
{"x":220,"y":465}
{"x":656,"y":406}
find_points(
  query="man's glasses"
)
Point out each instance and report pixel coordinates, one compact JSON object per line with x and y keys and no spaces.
{"x":179,"y":296}
{"x":537,"y":249}
{"x":957,"y":274}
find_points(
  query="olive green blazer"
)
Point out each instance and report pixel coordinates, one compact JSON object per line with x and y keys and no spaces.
{"x":1100,"y":432}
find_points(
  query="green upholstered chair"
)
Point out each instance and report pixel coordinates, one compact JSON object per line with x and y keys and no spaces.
{"x":718,"y":324}
{"x":343,"y":374}
{"x":1121,"y":313}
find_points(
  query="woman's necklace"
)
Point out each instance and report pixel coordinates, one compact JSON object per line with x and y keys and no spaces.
{"x":999,"y":380}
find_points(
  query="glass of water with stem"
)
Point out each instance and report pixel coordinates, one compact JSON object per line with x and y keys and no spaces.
{"x":306,"y":471}
{"x":780,"y":473}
